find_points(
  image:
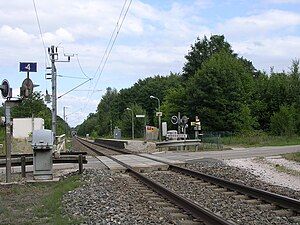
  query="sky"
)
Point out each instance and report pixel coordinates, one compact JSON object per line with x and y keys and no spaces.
{"x":153,"y":40}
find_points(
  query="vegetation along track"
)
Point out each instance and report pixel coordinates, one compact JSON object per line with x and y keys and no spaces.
{"x":200,"y":214}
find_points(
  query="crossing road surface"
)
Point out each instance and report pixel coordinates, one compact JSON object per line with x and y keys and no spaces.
{"x":230,"y":154}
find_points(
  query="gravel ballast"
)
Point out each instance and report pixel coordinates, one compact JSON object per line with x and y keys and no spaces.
{"x":109,"y":198}
{"x":220,"y":169}
{"x":113,"y":198}
{"x":230,"y":208}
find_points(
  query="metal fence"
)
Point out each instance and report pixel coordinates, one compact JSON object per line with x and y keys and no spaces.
{"x":213,"y":140}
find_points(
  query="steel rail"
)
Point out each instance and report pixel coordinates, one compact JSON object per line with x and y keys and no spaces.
{"x":194,"y":209}
{"x":281,"y":200}
{"x":108,"y":147}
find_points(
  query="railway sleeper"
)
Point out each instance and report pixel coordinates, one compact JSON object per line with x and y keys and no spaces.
{"x":241,"y":197}
{"x":283,"y":212}
{"x":266,"y":206}
{"x":253,"y":201}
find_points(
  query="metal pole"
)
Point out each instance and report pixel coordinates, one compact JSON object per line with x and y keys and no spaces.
{"x":132,"y":125}
{"x":159,"y":119}
{"x":23,"y":166}
{"x":178,"y":127}
{"x":8,"y":142}
{"x":54,"y":103}
{"x":65,"y":119}
{"x":80,"y":163}
{"x":145,"y":132}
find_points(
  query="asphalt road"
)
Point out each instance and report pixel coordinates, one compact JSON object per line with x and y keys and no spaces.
{"x":230,"y":154}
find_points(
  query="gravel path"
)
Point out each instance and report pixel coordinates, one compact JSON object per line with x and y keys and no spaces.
{"x":265,"y":170}
{"x":227,"y":206}
{"x":108,"y":198}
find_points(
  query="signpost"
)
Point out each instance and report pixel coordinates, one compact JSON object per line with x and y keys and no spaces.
{"x":27,"y":85}
{"x":142,"y":116}
{"x":28,"y":67}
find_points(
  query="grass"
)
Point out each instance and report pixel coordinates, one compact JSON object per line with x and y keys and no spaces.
{"x":257,"y":139}
{"x":292,"y":156}
{"x":51,"y":207}
{"x":38,"y":203}
{"x":283,"y":169}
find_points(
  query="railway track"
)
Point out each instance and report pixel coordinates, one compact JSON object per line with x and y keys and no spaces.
{"x":193,"y":213}
{"x":281,"y":205}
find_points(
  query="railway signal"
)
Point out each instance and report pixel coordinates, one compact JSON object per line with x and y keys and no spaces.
{"x":26,"y":89}
{"x":5,"y":90}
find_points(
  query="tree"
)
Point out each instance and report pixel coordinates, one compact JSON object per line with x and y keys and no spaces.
{"x":283,"y":122}
{"x":108,"y":112}
{"x":201,"y":51}
{"x":139,"y":123}
{"x":219,"y":91}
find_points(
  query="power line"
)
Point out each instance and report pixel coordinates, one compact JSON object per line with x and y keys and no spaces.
{"x":41,"y":33}
{"x":73,"y":77}
{"x":74,"y":88}
{"x":113,"y":43}
{"x":108,"y":46}
{"x":111,"y":37}
{"x":81,"y":66}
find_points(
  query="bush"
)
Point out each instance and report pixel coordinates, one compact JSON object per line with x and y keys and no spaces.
{"x":283,"y":122}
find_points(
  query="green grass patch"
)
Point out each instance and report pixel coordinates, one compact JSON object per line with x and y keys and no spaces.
{"x":257,"y":139}
{"x":36,"y":203}
{"x":292,"y":156}
{"x":50,"y":208}
{"x":283,"y":169}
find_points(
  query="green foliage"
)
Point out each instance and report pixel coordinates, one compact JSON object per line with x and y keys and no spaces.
{"x":51,"y":205}
{"x":292,"y":156}
{"x":139,"y":123}
{"x":259,"y":138}
{"x":35,"y":106}
{"x":223,"y":89}
{"x":218,"y":92}
{"x":283,"y":122}
{"x":201,"y":51}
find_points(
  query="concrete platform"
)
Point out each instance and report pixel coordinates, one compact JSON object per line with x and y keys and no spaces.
{"x":141,"y":164}
{"x":166,"y":160}
{"x":110,"y":164}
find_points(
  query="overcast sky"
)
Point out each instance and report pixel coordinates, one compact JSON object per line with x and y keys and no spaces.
{"x":154,"y":38}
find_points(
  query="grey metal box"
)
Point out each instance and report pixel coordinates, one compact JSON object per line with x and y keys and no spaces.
{"x":42,"y":144}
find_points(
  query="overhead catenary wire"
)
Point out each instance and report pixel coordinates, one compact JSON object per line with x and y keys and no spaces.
{"x":109,"y":46}
{"x":74,"y":88}
{"x":110,"y":39}
{"x":41,"y":33}
{"x":107,"y":51}
{"x":73,"y":77}
{"x":79,"y":64}
{"x":114,"y":40}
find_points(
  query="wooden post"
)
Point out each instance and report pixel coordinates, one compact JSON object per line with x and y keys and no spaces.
{"x":80,"y":162}
{"x":23,"y":166}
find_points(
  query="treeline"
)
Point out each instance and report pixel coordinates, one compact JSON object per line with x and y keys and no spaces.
{"x":35,"y":106}
{"x":225,"y":90}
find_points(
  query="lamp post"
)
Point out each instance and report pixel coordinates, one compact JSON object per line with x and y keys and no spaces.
{"x":159,"y":116}
{"x":65,"y":118}
{"x":132,"y":123}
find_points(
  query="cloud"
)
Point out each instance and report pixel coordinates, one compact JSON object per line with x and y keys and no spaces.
{"x":60,"y":35}
{"x":153,"y":40}
{"x":274,"y":51}
{"x":260,"y":24}
{"x":15,"y":36}
{"x":282,"y":1}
